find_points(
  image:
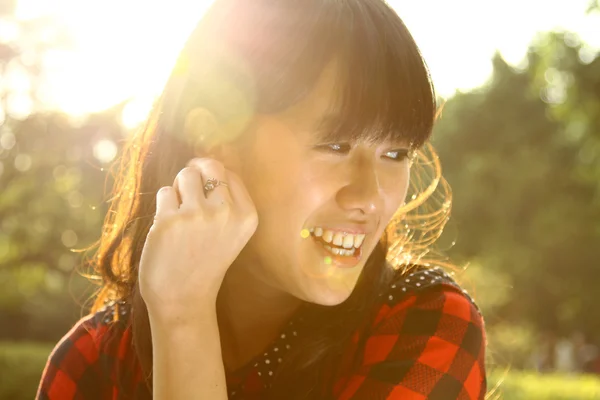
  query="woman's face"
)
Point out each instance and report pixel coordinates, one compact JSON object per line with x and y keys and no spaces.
{"x":310,"y":194}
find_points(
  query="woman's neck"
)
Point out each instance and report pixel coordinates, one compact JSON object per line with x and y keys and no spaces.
{"x":251,"y":314}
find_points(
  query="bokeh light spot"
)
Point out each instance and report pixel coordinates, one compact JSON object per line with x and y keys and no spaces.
{"x":69,"y":238}
{"x":19,"y":105}
{"x":23,"y":162}
{"x":54,"y":281}
{"x":75,"y":199}
{"x":305,"y":233}
{"x":105,"y":150}
{"x":7,"y":139}
{"x":327,"y":260}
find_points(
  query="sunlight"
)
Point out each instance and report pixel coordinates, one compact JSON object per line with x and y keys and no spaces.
{"x":459,"y":38}
{"x":125,"y":49}
{"x":136,"y":110}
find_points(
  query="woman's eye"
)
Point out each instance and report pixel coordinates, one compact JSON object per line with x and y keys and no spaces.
{"x":397,"y":155}
{"x":335,"y":147}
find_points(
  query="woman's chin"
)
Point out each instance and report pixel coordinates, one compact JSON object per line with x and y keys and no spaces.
{"x":330,"y":292}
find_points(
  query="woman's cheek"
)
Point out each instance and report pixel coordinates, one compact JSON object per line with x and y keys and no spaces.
{"x":395,"y":188}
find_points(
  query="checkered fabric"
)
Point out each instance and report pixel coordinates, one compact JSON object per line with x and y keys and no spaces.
{"x":427,"y":341}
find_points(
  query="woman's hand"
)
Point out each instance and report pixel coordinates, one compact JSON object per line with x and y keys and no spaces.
{"x":194,"y":239}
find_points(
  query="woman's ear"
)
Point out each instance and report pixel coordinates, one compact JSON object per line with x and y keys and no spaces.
{"x":227,"y":153}
{"x":201,"y":128}
{"x":208,"y":138}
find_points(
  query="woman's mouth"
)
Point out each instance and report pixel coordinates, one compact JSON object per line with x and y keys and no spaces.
{"x":343,"y":247}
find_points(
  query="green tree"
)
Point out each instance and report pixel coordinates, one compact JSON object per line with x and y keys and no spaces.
{"x":53,"y":181}
{"x":523,"y":159}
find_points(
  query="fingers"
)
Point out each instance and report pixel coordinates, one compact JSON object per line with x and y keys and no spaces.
{"x":188,"y":184}
{"x":239,"y":193}
{"x":212,"y":169}
{"x":166,"y":201}
{"x":187,"y":192}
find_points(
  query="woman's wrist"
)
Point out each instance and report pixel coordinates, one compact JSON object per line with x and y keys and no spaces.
{"x":187,"y":357}
{"x":200,"y":332}
{"x":184,"y":317}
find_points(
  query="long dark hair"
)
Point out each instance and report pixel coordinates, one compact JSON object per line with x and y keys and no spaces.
{"x":262,"y":56}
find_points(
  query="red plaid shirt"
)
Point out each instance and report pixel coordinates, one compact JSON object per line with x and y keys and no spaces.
{"x":426,"y":342}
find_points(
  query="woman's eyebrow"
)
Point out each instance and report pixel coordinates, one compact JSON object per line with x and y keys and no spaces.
{"x":400,"y":142}
{"x":329,"y":129}
{"x":326,"y":128}
{"x":327,"y":121}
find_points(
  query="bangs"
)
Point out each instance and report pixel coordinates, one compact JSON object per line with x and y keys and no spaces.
{"x":281,"y":47}
{"x":385,"y":87}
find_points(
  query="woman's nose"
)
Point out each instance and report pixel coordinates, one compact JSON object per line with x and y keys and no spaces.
{"x":362,"y":191}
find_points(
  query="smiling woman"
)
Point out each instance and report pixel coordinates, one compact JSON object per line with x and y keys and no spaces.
{"x":253,"y":259}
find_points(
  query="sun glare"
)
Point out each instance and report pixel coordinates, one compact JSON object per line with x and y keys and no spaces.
{"x":125,"y":49}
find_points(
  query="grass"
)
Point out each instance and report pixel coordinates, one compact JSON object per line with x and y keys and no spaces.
{"x":525,"y":385}
{"x":21,"y":367}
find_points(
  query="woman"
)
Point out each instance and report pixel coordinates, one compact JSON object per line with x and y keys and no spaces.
{"x":245,"y":254}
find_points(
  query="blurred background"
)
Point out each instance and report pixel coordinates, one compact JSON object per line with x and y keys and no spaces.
{"x":519,"y":140}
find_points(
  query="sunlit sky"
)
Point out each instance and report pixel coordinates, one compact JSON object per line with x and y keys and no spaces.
{"x":126,"y":48}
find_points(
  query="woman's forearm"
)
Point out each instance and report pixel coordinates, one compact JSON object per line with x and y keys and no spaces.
{"x":187,"y":360}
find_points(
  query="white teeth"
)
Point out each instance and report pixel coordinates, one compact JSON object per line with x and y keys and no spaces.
{"x":340,"y":252}
{"x":348,"y":241}
{"x":358,"y":240}
{"x":338,"y":239}
{"x":312,"y":230}
{"x":350,"y":252}
{"x":341,"y":239}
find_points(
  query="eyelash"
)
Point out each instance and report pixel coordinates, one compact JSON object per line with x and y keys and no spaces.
{"x":402,"y":153}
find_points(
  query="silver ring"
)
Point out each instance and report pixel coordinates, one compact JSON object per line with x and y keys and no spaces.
{"x":212,"y":183}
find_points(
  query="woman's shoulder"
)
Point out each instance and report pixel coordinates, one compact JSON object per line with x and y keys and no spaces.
{"x":427,"y":297}
{"x":423,"y":280}
{"x":426,"y":307}
{"x":84,"y":359}
{"x":98,"y":330}
{"x":93,"y":333}
{"x":113,"y":315}
{"x":427,"y":340}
